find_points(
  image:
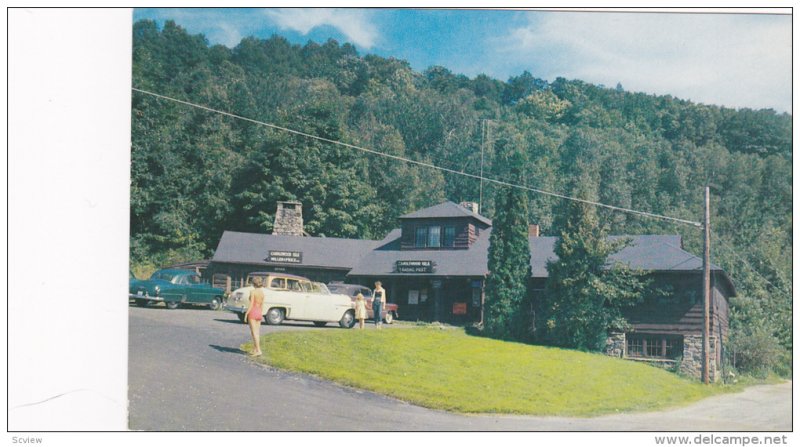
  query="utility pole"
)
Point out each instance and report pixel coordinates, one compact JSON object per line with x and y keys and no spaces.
{"x":483,"y":143}
{"x":706,"y":284}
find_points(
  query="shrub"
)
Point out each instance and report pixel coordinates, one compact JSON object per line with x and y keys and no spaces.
{"x":756,"y":351}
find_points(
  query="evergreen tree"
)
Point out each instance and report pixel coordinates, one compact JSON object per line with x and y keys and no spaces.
{"x":583,"y":296}
{"x":508,"y":306}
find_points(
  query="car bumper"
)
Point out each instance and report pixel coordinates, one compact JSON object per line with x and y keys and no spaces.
{"x":235,"y":309}
{"x":134,"y":296}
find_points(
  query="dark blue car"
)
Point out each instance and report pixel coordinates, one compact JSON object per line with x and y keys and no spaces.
{"x":175,"y":287}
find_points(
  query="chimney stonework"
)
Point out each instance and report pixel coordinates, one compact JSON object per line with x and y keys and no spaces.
{"x":289,"y":219}
{"x":472,"y":206}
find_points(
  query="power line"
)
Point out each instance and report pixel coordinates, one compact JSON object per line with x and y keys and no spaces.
{"x":752,"y":269}
{"x":422,"y":163}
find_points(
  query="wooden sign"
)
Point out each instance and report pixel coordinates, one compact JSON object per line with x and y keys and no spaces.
{"x":414,"y":266}
{"x":286,"y":257}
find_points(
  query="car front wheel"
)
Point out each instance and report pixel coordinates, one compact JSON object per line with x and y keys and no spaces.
{"x":348,"y":320}
{"x":274,"y":316}
{"x":241,"y":316}
{"x":389,"y":318}
{"x":215,"y":304}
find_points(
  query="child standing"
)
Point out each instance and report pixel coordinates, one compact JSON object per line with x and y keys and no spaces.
{"x":361,"y":310}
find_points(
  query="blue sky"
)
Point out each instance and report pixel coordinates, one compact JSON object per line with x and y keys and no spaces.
{"x":735,"y":60}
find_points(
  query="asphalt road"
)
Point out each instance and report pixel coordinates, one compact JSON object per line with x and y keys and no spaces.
{"x":186,"y":372}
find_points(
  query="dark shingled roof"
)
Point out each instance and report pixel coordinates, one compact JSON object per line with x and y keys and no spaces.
{"x":253,"y":248}
{"x":647,"y":252}
{"x":381,"y":261}
{"x":377,"y":258}
{"x":445,"y":209}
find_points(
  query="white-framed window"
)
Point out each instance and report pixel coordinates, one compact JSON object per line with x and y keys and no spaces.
{"x":656,"y":346}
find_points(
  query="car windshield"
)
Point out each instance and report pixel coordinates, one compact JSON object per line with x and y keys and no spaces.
{"x":319,"y":287}
{"x":337,"y":288}
{"x":251,"y":278}
{"x":165,"y":276}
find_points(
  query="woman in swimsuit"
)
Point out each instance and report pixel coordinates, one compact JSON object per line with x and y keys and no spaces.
{"x":254,"y":314}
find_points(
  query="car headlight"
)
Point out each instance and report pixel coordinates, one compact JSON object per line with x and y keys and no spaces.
{"x":158,"y":290}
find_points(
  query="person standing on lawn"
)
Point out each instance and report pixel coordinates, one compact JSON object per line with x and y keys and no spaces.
{"x":361,"y":310}
{"x":254,"y":314}
{"x":378,"y":303}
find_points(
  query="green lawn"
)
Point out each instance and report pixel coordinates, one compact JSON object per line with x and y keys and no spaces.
{"x":448,"y":369}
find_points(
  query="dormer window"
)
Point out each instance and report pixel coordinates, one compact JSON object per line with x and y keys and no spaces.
{"x":434,"y":236}
{"x":421,"y":239}
{"x":449,"y":236}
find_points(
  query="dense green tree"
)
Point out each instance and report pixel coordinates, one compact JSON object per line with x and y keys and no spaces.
{"x":583,"y":297}
{"x":508,"y":311}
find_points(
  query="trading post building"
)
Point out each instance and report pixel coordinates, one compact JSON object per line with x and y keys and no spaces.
{"x":434,"y":266}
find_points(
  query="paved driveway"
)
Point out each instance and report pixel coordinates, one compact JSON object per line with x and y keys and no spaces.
{"x":186,"y":372}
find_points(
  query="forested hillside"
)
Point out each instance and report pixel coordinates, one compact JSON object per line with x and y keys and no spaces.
{"x":195,"y":173}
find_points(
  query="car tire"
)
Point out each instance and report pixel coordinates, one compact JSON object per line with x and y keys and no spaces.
{"x":348,"y":320}
{"x":215,"y":304}
{"x":274,"y":316}
{"x":241,"y":316}
{"x":172,"y":304}
{"x":320,"y":323}
{"x":142,"y":303}
{"x":389,"y":318}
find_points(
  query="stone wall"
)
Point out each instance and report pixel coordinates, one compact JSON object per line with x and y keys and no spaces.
{"x":692,"y":363}
{"x":615,"y":344}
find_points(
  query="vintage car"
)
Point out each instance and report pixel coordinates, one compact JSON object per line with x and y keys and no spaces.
{"x":291,"y":297}
{"x":389,"y":314}
{"x":174,"y":287}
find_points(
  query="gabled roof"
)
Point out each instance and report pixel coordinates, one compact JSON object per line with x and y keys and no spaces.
{"x":445,"y":209}
{"x":253,"y":248}
{"x":646,"y":252}
{"x":658,"y":253}
{"x":381,"y":261}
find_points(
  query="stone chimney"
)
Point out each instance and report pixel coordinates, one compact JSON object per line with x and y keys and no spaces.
{"x":472,"y":206}
{"x":289,"y":219}
{"x":533,"y":230}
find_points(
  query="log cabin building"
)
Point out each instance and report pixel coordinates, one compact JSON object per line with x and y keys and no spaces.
{"x":434,"y":267}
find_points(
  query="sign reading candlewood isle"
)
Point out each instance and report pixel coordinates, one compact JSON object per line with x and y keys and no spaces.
{"x":414,"y":266}
{"x":287,"y":257}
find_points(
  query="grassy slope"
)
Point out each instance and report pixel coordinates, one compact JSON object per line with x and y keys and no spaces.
{"x":447,"y":369}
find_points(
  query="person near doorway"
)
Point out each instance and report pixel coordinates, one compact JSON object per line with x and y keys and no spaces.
{"x":378,"y":303}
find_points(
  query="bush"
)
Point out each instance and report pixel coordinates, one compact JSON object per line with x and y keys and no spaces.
{"x":757,"y":352}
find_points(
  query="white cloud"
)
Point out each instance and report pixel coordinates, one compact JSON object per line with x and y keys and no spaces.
{"x":355,"y":24}
{"x":732,"y":60}
{"x":226,"y":34}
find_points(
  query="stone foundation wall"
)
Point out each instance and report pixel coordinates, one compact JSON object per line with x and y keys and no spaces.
{"x":615,"y":345}
{"x":692,"y":363}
